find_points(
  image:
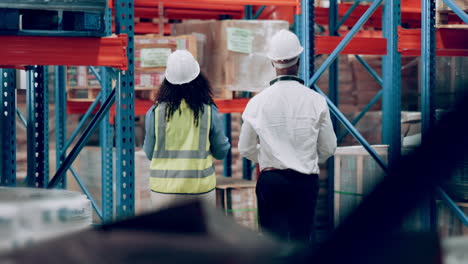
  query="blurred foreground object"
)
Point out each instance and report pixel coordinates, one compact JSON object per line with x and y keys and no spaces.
{"x":182,"y":234}
{"x":28,"y":215}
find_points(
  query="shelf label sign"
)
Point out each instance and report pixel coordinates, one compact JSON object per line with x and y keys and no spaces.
{"x":154,"y":57}
{"x":239,"y":40}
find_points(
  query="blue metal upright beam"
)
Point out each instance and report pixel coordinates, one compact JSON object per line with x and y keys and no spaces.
{"x":37,"y":128}
{"x":60,"y":118}
{"x":227,"y":161}
{"x":246,"y":163}
{"x":428,"y":64}
{"x":333,"y":94}
{"x":307,"y":57}
{"x":8,"y":127}
{"x":106,"y":139}
{"x":391,"y":107}
{"x":125,"y":116}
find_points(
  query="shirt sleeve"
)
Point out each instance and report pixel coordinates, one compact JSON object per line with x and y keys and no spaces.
{"x":148,"y":143}
{"x":219,"y":143}
{"x":248,"y":142}
{"x":326,"y":144}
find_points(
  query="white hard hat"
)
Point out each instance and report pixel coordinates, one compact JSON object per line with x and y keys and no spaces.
{"x":284,"y":45}
{"x":181,"y":67}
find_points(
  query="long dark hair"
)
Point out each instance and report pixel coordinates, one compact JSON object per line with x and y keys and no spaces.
{"x":196,"y":93}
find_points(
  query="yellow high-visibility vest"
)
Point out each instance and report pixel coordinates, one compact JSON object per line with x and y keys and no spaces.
{"x":182,"y":161}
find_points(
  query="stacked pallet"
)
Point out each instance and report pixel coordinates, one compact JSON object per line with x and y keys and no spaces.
{"x":151,"y":52}
{"x":232,"y":53}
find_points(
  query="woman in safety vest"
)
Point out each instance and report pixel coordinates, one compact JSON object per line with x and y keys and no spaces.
{"x":183,"y":134}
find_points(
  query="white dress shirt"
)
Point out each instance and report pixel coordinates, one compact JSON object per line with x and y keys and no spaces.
{"x":287,"y":126}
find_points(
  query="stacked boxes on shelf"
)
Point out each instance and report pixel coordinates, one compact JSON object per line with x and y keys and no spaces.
{"x":151,"y":54}
{"x":232,"y":53}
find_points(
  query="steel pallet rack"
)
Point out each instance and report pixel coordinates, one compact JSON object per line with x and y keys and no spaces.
{"x":397,"y":42}
{"x":60,"y":47}
{"x":394,"y":43}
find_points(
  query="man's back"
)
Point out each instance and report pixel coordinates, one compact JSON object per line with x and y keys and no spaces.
{"x":293,"y":126}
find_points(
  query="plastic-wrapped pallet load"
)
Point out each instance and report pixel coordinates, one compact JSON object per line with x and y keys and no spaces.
{"x":232,"y":53}
{"x":29,"y":215}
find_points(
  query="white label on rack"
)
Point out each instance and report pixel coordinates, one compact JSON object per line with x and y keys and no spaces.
{"x":239,"y":40}
{"x":154,"y":57}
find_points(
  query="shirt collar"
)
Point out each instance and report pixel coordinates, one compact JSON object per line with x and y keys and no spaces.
{"x":287,"y":78}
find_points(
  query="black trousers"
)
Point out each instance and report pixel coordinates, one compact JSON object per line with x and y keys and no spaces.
{"x":286,"y":204}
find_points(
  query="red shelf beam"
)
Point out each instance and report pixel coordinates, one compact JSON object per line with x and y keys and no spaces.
{"x":142,"y":106}
{"x":357,"y":45}
{"x":19,"y":51}
{"x":213,"y":3}
{"x":172,"y":13}
{"x":151,"y":28}
{"x":449,"y":42}
{"x":183,"y":5}
{"x":410,"y":15}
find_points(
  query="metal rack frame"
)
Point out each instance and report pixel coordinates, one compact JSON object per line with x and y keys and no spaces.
{"x":37,"y":104}
{"x":125,"y":110}
{"x":391,"y":81}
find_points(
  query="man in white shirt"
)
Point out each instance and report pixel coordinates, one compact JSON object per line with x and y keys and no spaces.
{"x":287,"y":130}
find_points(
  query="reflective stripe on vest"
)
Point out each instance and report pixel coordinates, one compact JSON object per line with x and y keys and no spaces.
{"x":182,"y":162}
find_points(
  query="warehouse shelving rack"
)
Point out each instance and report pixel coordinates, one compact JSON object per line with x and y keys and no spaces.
{"x":398,"y":42}
{"x":393,"y":43}
{"x":18,"y":51}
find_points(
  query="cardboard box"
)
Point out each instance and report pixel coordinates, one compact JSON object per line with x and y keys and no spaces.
{"x":233,"y":52}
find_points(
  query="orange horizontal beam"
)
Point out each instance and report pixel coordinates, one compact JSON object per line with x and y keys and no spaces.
{"x":321,"y":15}
{"x":231,"y":106}
{"x":151,"y":28}
{"x":357,"y":45}
{"x":221,"y":2}
{"x":449,"y":42}
{"x":410,"y":15}
{"x":171,"y":13}
{"x":183,"y":5}
{"x":37,"y":50}
{"x":142,"y":106}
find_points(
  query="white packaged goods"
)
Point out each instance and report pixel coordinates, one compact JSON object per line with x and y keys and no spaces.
{"x":29,"y":215}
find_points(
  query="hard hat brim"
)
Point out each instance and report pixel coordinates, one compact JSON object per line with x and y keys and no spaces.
{"x":292,"y":56}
